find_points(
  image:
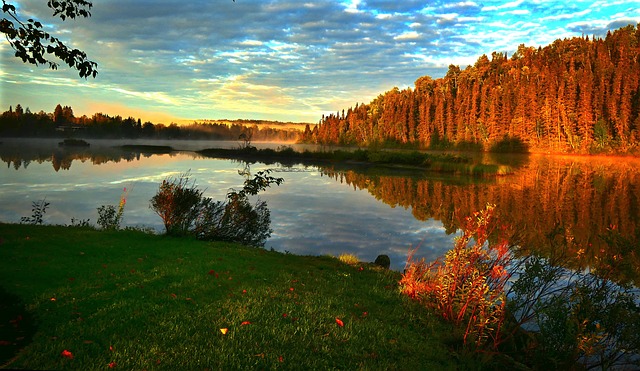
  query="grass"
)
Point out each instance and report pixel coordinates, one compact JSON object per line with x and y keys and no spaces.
{"x":441,"y":163}
{"x":138,"y":301}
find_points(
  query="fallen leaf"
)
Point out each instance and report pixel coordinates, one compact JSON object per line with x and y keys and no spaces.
{"x":67,"y":354}
{"x":245,"y":323}
{"x":112,"y":365}
{"x":111,"y":348}
{"x":224,"y":331}
{"x":339,"y":322}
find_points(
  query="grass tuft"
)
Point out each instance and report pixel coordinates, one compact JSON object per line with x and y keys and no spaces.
{"x":349,"y":259}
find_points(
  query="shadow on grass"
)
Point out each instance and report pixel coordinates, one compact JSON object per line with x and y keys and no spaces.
{"x":17,"y":327}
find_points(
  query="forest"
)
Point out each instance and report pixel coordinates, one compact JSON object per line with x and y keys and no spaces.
{"x":21,"y":122}
{"x":577,"y":95}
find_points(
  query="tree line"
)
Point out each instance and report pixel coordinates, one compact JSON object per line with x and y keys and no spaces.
{"x":577,"y":95}
{"x":21,"y":122}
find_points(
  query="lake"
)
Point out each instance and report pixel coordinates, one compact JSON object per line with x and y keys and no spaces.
{"x":337,"y":209}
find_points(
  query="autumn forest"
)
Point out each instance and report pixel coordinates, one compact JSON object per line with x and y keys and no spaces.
{"x":578,"y":95}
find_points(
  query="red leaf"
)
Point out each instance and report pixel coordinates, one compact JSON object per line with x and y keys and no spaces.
{"x":67,"y":354}
{"x":112,"y":365}
{"x":339,"y":322}
{"x":245,"y":323}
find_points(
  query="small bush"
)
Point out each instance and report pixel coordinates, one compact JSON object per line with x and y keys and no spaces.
{"x":109,"y":217}
{"x":184,"y":210}
{"x":467,"y":288}
{"x":38,"y":209}
{"x":178,"y":203}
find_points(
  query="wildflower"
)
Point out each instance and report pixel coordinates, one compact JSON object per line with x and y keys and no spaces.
{"x":112,"y":365}
{"x":67,"y":354}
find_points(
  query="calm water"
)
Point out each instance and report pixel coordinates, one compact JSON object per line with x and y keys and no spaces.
{"x":326,"y":210}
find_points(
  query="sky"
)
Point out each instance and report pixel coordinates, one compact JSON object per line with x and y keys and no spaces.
{"x":290,"y":61}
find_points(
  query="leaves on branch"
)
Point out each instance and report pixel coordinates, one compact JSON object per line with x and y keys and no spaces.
{"x":32,"y":44}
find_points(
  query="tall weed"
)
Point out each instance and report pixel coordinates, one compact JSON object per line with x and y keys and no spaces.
{"x":467,"y":287}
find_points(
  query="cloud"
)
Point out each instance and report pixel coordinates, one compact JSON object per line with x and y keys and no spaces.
{"x":512,"y":4}
{"x":282,"y":60}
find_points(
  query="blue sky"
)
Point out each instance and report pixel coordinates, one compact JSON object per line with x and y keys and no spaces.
{"x":279,"y":60}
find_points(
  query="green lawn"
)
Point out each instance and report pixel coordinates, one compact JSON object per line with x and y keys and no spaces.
{"x":138,"y":301}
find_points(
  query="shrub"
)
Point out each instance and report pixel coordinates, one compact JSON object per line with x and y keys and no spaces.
{"x":109,"y":217}
{"x":235,"y":220}
{"x":184,"y":210}
{"x":178,"y":203}
{"x":549,"y":316}
{"x":467,"y":288}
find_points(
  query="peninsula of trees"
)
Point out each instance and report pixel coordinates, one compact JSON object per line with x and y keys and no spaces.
{"x":578,"y":95}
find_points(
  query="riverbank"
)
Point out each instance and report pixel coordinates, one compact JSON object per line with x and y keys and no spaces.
{"x":85,"y":299}
{"x":439,"y":163}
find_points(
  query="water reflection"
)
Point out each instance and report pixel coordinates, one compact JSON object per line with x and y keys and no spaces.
{"x":582,"y":201}
{"x":330,"y":209}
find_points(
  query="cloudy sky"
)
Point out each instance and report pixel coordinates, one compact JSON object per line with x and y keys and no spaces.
{"x":280,"y":60}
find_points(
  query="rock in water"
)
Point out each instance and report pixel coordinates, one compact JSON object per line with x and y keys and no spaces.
{"x":383,"y":261}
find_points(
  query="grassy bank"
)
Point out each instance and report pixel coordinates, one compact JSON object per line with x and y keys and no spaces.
{"x":130,"y":300}
{"x":441,"y":163}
